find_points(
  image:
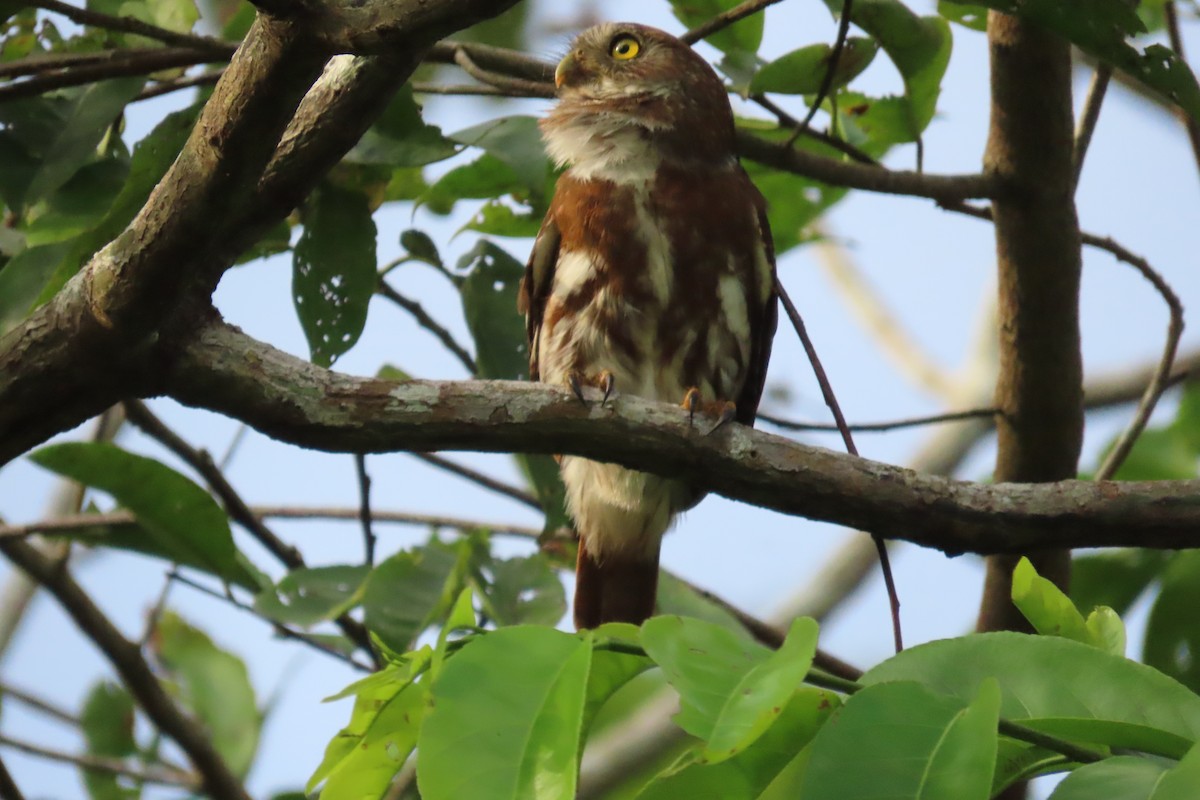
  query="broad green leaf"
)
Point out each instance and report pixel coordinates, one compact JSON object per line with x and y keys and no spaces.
{"x":1172,"y":641}
{"x":1103,"y":30}
{"x":730,"y":690}
{"x":1058,"y":686}
{"x":611,"y":670}
{"x":1187,"y":418}
{"x":525,"y":590}
{"x":744,"y":35}
{"x":63,"y":131}
{"x":307,"y":596}
{"x":1107,"y":630}
{"x":80,"y":204}
{"x":803,"y":71}
{"x":900,"y":740}
{"x":1018,"y":761}
{"x":333,"y":271}
{"x":751,"y":771}
{"x":1048,"y":610}
{"x":182,"y":522}
{"x":22,"y":280}
{"x":1114,"y":578}
{"x":405,"y":593}
{"x":516,"y":142}
{"x":969,"y":16}
{"x":107,"y":726}
{"x":152,"y":156}
{"x":484,"y":178}
{"x":214,"y":685}
{"x":367,"y":767}
{"x":1159,"y":454}
{"x":1130,"y":778}
{"x":497,"y":218}
{"x":419,"y":245}
{"x":174,"y":15}
{"x":677,"y":597}
{"x":401,"y":138}
{"x":513,"y":738}
{"x":461,"y":617}
{"x":489,"y":298}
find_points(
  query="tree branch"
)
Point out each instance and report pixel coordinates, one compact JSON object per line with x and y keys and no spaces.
{"x":225,"y":371}
{"x":113,"y":766}
{"x":126,"y":24}
{"x":133,"y":669}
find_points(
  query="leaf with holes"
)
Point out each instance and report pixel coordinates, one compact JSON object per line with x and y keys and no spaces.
{"x":307,"y":596}
{"x":401,"y":138}
{"x":333,"y":271}
{"x":408,"y":591}
{"x":803,"y":71}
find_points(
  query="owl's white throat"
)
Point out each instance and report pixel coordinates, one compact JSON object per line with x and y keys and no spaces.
{"x":607,"y":146}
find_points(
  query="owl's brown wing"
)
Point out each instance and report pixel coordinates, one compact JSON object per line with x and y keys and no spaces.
{"x":763,"y":320}
{"x":535,"y":286}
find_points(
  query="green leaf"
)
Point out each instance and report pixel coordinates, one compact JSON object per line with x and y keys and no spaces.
{"x":1102,"y":31}
{"x":1158,"y":455}
{"x":751,"y":771}
{"x":611,"y":669}
{"x":62,"y":132}
{"x":372,"y":759}
{"x":307,"y":596}
{"x":333,"y":271}
{"x":405,"y":593}
{"x":1107,"y":630}
{"x":1129,"y":778}
{"x":676,"y":597}
{"x":744,"y":35}
{"x":1060,"y":687}
{"x":151,"y":158}
{"x":496,"y":218}
{"x":419,"y":245}
{"x":516,"y":738}
{"x":80,"y":204}
{"x":1019,"y":761}
{"x":401,"y":138}
{"x":803,"y":71}
{"x":900,"y":740}
{"x":22,"y":280}
{"x":215,"y":686}
{"x":969,"y":16}
{"x":1114,"y":578}
{"x":484,"y":178}
{"x":730,"y":690}
{"x":516,"y":142}
{"x":107,"y":726}
{"x":918,"y":46}
{"x":182,"y":522}
{"x":1172,"y":641}
{"x":1048,"y":610}
{"x":1187,"y":418}
{"x":525,"y":590}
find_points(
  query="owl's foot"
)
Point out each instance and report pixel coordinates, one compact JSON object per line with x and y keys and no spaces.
{"x":604,"y":381}
{"x":724,"y":410}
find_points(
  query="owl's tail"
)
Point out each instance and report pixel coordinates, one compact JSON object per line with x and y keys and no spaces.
{"x":622,"y":588}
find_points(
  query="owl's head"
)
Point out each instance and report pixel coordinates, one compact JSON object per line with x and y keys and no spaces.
{"x":622,"y":83}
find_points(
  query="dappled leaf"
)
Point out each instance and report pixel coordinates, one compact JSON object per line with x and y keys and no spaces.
{"x":901,"y":740}
{"x":372,"y":759}
{"x":497,"y":218}
{"x":80,"y":204}
{"x":969,"y":16}
{"x":1173,"y":631}
{"x":307,"y":596}
{"x":484,"y":178}
{"x":181,"y":520}
{"x":803,"y":71}
{"x":1058,"y":686}
{"x":512,"y":738}
{"x":401,"y":138}
{"x":525,"y":590}
{"x":406,"y":592}
{"x":516,"y":142}
{"x":333,"y":271}
{"x":22,"y":280}
{"x":214,"y":685}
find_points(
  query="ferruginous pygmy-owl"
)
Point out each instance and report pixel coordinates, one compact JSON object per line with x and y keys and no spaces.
{"x":652,"y":275}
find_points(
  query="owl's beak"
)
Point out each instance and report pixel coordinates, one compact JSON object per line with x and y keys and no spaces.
{"x":568,"y":70}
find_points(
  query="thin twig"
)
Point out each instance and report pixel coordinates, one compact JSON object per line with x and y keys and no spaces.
{"x":35,"y":702}
{"x":364,"y":507}
{"x":166,"y":87}
{"x":786,"y":120}
{"x":831,"y":70}
{"x":239,"y":436}
{"x":1161,"y":378}
{"x":126,"y":658}
{"x":471,"y":89}
{"x":876,"y":427}
{"x":160,"y":604}
{"x":202,"y":462}
{"x":417,"y":311}
{"x":137,"y":62}
{"x":8,"y":787}
{"x":486,"y":481}
{"x":95,"y":19}
{"x":831,"y":401}
{"x":725,"y":19}
{"x":283,"y":631}
{"x":1090,"y":115}
{"x":1176,"y":39}
{"x":532,"y":88}
{"x":112,"y":766}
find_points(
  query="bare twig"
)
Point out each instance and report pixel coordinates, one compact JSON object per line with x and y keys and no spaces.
{"x":486,"y":481}
{"x":112,"y":766}
{"x":202,"y":462}
{"x":725,"y":19}
{"x":364,"y":507}
{"x":136,"y":674}
{"x":38,"y":703}
{"x":471,"y":89}
{"x":831,"y":70}
{"x":166,"y":87}
{"x":530,"y":88}
{"x":1090,"y":114}
{"x":132,"y":62}
{"x":786,"y":120}
{"x":124,"y":24}
{"x":1161,"y":377}
{"x":283,"y":631}
{"x":875,"y":427}
{"x":430,"y":324}
{"x":1176,"y":39}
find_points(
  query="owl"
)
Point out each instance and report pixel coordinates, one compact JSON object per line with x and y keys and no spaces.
{"x":653,"y":275}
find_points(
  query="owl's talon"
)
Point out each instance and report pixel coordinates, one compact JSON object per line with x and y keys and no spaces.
{"x":607,"y":382}
{"x":576,"y":386}
{"x":727,"y":414}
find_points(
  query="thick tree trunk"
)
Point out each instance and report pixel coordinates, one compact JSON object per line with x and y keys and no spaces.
{"x":1039,"y":390}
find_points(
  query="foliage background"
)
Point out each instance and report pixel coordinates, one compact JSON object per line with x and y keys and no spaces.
{"x":932,"y":268}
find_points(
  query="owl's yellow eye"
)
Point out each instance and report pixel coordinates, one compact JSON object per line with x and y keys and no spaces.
{"x":624,"y":47}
